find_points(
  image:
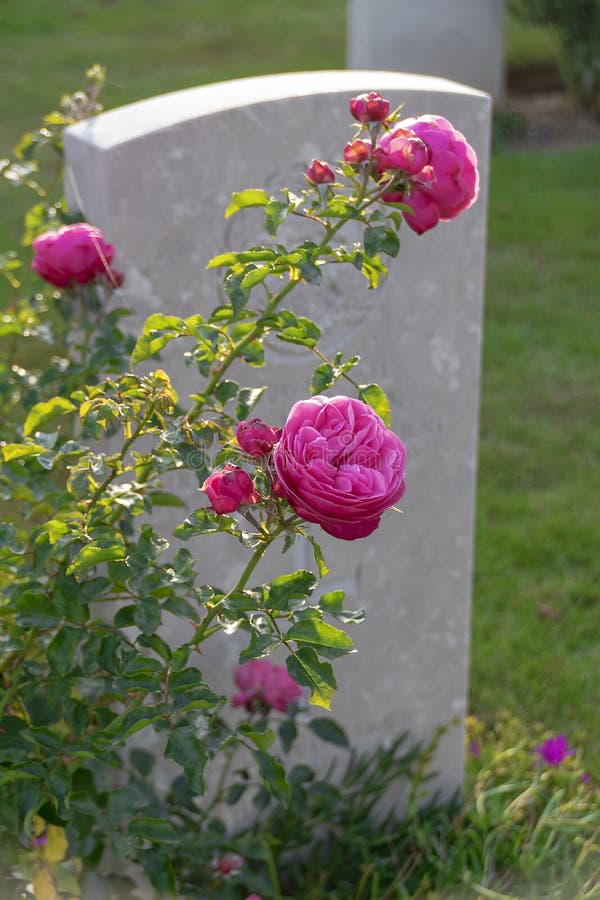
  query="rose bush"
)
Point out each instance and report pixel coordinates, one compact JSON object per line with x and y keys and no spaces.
{"x":88,"y":575}
{"x":339,"y":465}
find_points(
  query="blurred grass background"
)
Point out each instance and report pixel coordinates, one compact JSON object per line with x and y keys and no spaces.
{"x":536,"y":616}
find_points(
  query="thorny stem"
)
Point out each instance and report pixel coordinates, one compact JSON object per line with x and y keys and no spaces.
{"x":259,"y":328}
{"x":201,"y":631}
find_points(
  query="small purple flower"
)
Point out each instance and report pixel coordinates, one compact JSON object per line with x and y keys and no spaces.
{"x":474,"y":749}
{"x":586,"y":777}
{"x":555,"y":750}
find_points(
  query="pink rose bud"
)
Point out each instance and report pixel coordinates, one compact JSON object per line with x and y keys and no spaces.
{"x":227,"y":865}
{"x":264,"y":686}
{"x":253,"y":897}
{"x":339,"y":465}
{"x":73,"y":254}
{"x":256,"y":438}
{"x":357,"y":151}
{"x":401,"y":149}
{"x":369,"y":107}
{"x":450,"y":181}
{"x":320,"y":173}
{"x":230,"y":488}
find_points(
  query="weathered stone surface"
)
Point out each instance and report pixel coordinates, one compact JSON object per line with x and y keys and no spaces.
{"x":458,"y":39}
{"x":156,"y":176}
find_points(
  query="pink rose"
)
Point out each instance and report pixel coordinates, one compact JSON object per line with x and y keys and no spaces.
{"x":264,"y":686}
{"x":357,"y":151}
{"x":230,"y":488}
{"x":450,"y":181}
{"x":256,"y":438}
{"x":253,"y":897}
{"x":74,"y":253}
{"x":339,"y":465}
{"x":401,"y":149}
{"x":370,"y":107}
{"x":320,"y":173}
{"x":227,"y":865}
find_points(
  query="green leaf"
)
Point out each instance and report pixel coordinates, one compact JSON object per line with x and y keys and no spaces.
{"x":246,"y":199}
{"x":233,"y":288}
{"x":331,"y":603}
{"x":185,"y":749}
{"x":262,"y":739}
{"x":307,"y":669}
{"x":45,"y":412}
{"x":95,"y":553}
{"x":61,"y":648}
{"x":247,"y":400}
{"x":310,"y":271}
{"x":164,"y":498}
{"x":322,"y":378}
{"x":275,"y":213}
{"x":273,"y":776}
{"x":329,"y":730}
{"x":375,"y":397}
{"x":156,"y":830}
{"x":379,"y":238}
{"x":158,"y":331}
{"x":260,"y":645}
{"x":226,"y":390}
{"x":295,"y":586}
{"x":20,"y":451}
{"x":314,"y":631}
{"x":205,"y":521}
{"x":304,"y":332}
{"x":158,"y":868}
{"x":36,"y":610}
{"x":142,"y":760}
{"x":147,"y":615}
{"x":318,"y":554}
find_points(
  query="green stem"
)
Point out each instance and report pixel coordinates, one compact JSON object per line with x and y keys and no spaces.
{"x":201,"y":631}
{"x":121,"y":456}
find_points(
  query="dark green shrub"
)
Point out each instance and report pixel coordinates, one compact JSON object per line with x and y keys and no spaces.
{"x":578,"y":25}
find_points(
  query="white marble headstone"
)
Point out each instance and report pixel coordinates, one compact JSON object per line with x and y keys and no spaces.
{"x":156,"y":176}
{"x":458,"y":39}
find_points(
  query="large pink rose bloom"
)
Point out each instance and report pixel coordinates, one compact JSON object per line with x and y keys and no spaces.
{"x":339,"y":465}
{"x":263,"y":685}
{"x":448,"y":184}
{"x":74,"y":253}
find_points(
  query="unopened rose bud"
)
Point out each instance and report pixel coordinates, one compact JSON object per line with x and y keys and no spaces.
{"x":256,"y":438}
{"x":370,"y":107}
{"x":320,"y":173}
{"x":230,"y":488}
{"x":357,"y":151}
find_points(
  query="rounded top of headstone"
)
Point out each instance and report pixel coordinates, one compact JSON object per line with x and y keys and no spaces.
{"x":128,"y":123}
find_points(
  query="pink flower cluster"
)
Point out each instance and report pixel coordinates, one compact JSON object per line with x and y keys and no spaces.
{"x":264,"y":686}
{"x":428,"y":164}
{"x":74,"y":254}
{"x":440,"y":164}
{"x":335,"y":462}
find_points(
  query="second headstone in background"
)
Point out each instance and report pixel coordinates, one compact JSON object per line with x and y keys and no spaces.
{"x":462,"y":40}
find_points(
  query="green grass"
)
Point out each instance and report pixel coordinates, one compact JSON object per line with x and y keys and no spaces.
{"x":537,"y":607}
{"x":538,"y":532}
